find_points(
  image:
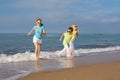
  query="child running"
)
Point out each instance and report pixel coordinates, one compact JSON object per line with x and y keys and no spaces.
{"x":37,"y":38}
{"x":67,"y":38}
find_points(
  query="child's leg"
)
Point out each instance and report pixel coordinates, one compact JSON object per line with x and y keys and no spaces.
{"x":68,"y":51}
{"x":36,"y":50}
{"x":63,"y":50}
{"x":71,"y":47}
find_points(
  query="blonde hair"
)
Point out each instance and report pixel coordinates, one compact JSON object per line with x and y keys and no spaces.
{"x":75,"y":29}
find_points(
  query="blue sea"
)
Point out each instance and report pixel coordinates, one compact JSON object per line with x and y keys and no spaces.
{"x":17,"y":51}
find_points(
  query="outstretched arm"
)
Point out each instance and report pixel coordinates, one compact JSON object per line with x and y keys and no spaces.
{"x":61,"y":37}
{"x":30,"y":32}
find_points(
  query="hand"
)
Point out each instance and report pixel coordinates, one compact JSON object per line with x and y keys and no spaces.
{"x":60,"y":39}
{"x":29,"y":34}
{"x":43,"y":32}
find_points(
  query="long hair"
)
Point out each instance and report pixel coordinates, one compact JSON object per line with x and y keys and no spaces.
{"x":75,"y":29}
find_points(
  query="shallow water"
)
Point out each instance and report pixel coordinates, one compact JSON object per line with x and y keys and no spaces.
{"x":17,"y":56}
{"x":12,"y":71}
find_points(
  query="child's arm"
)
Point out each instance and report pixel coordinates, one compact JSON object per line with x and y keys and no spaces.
{"x":43,"y":32}
{"x":29,"y":33}
{"x":73,"y":38}
{"x":61,"y":37}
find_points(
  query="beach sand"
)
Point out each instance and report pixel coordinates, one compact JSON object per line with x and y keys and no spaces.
{"x":105,"y":67}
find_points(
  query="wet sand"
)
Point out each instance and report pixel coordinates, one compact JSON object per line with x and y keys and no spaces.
{"x":100,"y":67}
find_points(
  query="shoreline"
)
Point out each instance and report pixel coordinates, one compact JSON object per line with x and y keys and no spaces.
{"x":98,"y":67}
{"x":110,"y":71}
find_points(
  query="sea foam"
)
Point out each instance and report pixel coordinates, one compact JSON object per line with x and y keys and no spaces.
{"x":30,"y":56}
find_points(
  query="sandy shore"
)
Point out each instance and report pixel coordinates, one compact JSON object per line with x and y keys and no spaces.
{"x":108,"y":71}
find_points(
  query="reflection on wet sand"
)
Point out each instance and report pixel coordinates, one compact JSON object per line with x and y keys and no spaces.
{"x":53,"y":64}
{"x":70,"y":63}
{"x":66,"y":63}
{"x":37,"y":65}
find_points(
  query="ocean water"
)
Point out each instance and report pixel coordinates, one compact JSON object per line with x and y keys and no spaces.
{"x":17,"y":51}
